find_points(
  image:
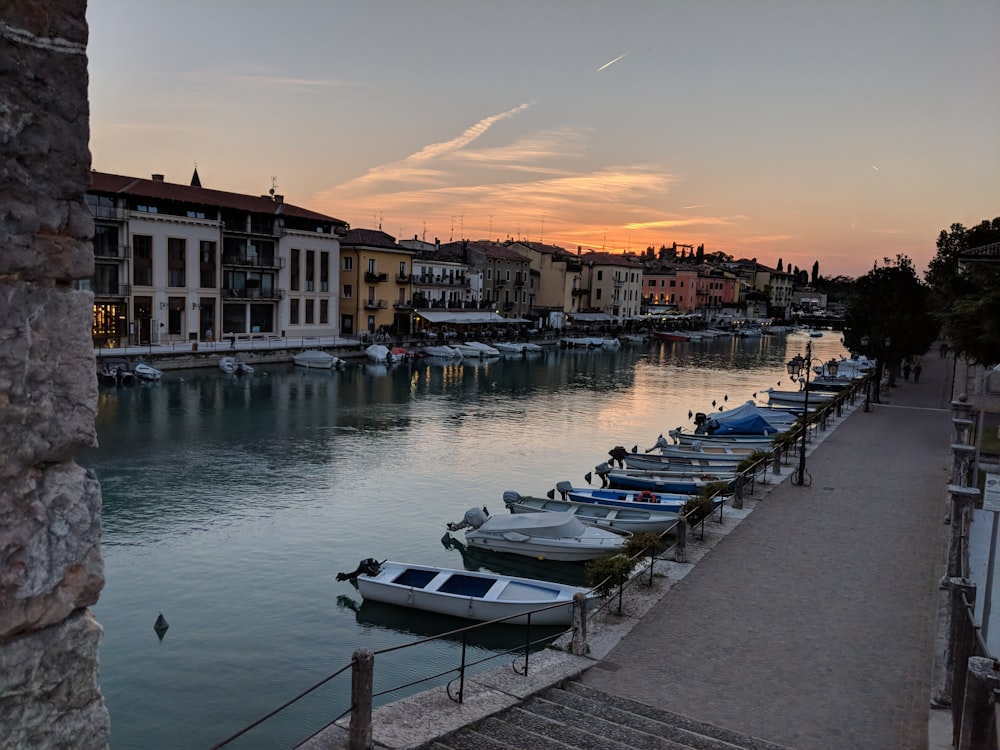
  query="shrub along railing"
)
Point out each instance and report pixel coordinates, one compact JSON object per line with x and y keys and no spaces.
{"x":615,"y":579}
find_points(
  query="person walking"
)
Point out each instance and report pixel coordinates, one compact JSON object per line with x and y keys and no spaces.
{"x":917,"y":369}
{"x":906,"y":371}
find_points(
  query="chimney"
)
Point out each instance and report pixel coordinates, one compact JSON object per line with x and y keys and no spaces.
{"x":278,"y":198}
{"x":157,"y":178}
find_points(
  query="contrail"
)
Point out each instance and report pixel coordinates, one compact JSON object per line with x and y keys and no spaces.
{"x":612,"y":62}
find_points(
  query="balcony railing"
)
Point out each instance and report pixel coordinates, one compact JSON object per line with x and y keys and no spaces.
{"x":118,"y":252}
{"x":108,"y":212}
{"x":404,"y":278}
{"x":376,"y":304}
{"x":251,"y":293}
{"x":241,"y":227}
{"x":373,"y":277}
{"x":402,"y":305}
{"x":254,"y":261}
{"x":580,"y":292}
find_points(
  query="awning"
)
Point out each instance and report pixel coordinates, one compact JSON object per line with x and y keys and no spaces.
{"x":464,"y":317}
{"x":590,"y":317}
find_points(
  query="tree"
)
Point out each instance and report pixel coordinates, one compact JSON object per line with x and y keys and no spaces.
{"x":967,"y":297}
{"x":815,"y":274}
{"x":889,"y":315}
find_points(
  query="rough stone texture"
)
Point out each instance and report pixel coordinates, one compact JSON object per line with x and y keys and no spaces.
{"x":48,"y":688}
{"x":50,"y":547}
{"x":50,"y":563}
{"x":48,"y":387}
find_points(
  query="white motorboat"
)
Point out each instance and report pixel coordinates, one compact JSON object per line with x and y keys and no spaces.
{"x":476,"y":349}
{"x":509,"y":347}
{"x":147,"y":372}
{"x":315,"y":359}
{"x":378,"y":353}
{"x":440,"y":350}
{"x":798,"y":398}
{"x":632,"y":520}
{"x":478,"y":595}
{"x":627,"y":498}
{"x":531,"y":347}
{"x":234,"y":366}
{"x":547,"y":536}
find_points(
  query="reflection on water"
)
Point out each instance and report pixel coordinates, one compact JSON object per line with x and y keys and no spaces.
{"x":230,"y":504}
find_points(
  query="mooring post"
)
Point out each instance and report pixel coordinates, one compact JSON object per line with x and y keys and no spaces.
{"x":977,"y":707}
{"x":578,"y":645}
{"x":962,"y":499}
{"x":362,"y":678}
{"x":738,"y":491}
{"x":680,"y":549}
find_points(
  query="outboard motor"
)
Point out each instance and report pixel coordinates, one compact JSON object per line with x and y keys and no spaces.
{"x":369,"y":567}
{"x":602,"y":470}
{"x":563,"y":488}
{"x":510,"y":497}
{"x":699,"y":419}
{"x":474,"y":518}
{"x":618,"y":454}
{"x":661,"y":443}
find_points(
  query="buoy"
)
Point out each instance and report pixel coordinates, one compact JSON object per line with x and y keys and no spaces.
{"x":160,"y":626}
{"x":713,"y":402}
{"x":726,"y":397}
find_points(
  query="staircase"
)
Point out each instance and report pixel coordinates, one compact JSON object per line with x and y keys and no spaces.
{"x":577,"y":716}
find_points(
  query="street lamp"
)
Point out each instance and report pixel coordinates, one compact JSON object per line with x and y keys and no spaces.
{"x":795,"y":367}
{"x":868,"y":382}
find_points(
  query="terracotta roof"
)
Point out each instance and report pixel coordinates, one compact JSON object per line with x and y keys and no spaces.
{"x":104,"y":182}
{"x":371,"y":238}
{"x":609,"y":259}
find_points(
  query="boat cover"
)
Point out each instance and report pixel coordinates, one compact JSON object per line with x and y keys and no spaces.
{"x":747,"y":419}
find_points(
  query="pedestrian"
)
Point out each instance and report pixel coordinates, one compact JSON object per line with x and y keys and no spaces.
{"x":917,"y":369}
{"x":906,"y":371}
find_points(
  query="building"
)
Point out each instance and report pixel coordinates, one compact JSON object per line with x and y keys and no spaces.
{"x":179,"y":263}
{"x":608,"y":284}
{"x":376,"y":276}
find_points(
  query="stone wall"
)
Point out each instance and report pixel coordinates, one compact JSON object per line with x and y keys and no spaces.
{"x":50,"y":562}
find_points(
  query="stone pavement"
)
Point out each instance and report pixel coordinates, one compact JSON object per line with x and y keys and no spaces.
{"x":813,"y":624}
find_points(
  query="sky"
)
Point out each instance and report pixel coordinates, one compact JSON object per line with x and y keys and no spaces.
{"x":839,"y":132}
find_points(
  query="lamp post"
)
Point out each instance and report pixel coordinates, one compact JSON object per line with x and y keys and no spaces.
{"x":868,"y":382}
{"x":795,"y":367}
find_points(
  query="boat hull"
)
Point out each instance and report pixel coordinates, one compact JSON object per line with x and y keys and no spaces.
{"x":471,"y":595}
{"x":628,"y":499}
{"x":634,"y":521}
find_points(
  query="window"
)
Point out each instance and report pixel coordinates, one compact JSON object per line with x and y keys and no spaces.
{"x":206,"y":267}
{"x":402,"y":269}
{"x":176,"y":261}
{"x":293,"y":311}
{"x":293,"y":283}
{"x":310,"y":272}
{"x":348,"y":263}
{"x":310,"y":305}
{"x":348,"y":291}
{"x":142,"y":260}
{"x":105,"y":241}
{"x":324,"y":311}
{"x":324,"y":274}
{"x":600,"y":275}
{"x":371,"y":266}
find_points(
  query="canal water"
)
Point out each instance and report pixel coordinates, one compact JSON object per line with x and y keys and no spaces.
{"x":231,"y":504}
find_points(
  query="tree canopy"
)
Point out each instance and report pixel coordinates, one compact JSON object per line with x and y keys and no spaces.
{"x":890,"y":303}
{"x":966,"y":296}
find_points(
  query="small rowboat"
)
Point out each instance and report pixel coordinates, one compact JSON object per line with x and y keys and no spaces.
{"x":632,"y":520}
{"x":672,"y":503}
{"x":479,"y":595}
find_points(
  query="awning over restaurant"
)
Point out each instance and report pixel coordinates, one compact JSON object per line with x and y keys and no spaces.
{"x":590,"y":317}
{"x":464,"y":317}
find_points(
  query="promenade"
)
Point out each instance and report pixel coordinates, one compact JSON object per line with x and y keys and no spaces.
{"x":812,"y":624}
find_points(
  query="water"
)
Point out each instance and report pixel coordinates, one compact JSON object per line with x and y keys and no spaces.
{"x":230,"y":505}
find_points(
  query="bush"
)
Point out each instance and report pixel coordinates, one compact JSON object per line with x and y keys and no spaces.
{"x":752,"y":459}
{"x":606,"y":574}
{"x":641,"y":544}
{"x":697,"y":508}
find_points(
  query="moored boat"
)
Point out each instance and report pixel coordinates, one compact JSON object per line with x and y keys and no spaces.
{"x":632,"y":520}
{"x":671,"y":336}
{"x":654,"y":481}
{"x":234,"y":366}
{"x":548,"y":536}
{"x":626,"y":498}
{"x":315,"y":359}
{"x":479,"y":595}
{"x":799,"y":397}
{"x":441,"y":350}
{"x":147,"y":372}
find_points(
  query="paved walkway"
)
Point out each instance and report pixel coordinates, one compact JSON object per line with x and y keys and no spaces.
{"x":813,"y":624}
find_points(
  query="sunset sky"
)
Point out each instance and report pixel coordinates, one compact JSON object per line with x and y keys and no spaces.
{"x":842,"y":132}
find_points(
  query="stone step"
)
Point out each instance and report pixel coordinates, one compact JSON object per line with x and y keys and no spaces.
{"x":607,"y":703}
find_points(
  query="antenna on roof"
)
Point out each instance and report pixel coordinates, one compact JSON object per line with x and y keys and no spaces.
{"x":274,"y":186}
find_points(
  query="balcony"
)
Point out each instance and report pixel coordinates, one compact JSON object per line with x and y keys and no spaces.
{"x":104,"y":289}
{"x":253,"y":293}
{"x":580,"y":292}
{"x":402,"y":305}
{"x":252,"y":261}
{"x":404,"y":278}
{"x":108,"y":212}
{"x":376,"y":304}
{"x":241,"y":227}
{"x":116,"y":252}
{"x":373,"y":278}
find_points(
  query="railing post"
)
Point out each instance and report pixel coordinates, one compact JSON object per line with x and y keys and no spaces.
{"x":776,"y":465}
{"x":738,"y":492}
{"x":680,"y":549}
{"x":962,"y":499}
{"x":958,"y":647}
{"x":977,"y":706}
{"x":961,"y":420}
{"x":362,"y":678}
{"x":962,"y":456}
{"x":578,"y":645}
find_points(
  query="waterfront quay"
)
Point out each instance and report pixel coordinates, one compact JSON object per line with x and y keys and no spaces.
{"x":809,"y":619}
